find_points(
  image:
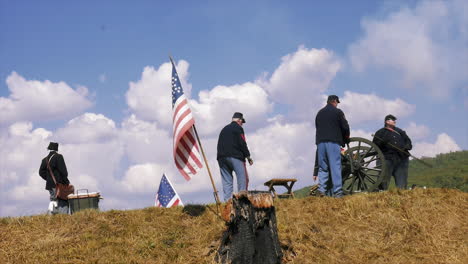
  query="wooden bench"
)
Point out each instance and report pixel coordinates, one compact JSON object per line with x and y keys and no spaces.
{"x":288,"y":183}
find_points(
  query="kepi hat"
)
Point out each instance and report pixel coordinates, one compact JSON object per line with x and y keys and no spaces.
{"x":239,"y":115}
{"x":53,"y":146}
{"x":333,"y":97}
{"x":390,"y":117}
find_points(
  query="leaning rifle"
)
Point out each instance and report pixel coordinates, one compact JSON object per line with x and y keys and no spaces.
{"x":403,"y":151}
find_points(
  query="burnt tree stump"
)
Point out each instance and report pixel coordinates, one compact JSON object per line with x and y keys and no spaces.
{"x":251,"y":236}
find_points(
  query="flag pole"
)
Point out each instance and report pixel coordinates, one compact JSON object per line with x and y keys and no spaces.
{"x":204,"y":157}
{"x":208,"y":168}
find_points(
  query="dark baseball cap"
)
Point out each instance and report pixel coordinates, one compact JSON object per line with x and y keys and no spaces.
{"x":333,"y":97}
{"x":239,"y":115}
{"x":390,"y":117}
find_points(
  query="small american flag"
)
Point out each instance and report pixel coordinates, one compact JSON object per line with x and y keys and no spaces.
{"x":186,"y":153}
{"x":167,"y":196}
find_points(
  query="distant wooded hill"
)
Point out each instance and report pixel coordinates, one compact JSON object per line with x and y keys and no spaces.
{"x":450,"y":170}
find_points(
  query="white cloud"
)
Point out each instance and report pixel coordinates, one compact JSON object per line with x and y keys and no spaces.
{"x":365,"y":107}
{"x":83,"y":181}
{"x":216,"y":106}
{"x":36,"y":100}
{"x":143,"y":177}
{"x":426,"y":44}
{"x":302,"y":78}
{"x":21,"y":147}
{"x":95,"y":165}
{"x":443,"y":144}
{"x":282,"y":151}
{"x":417,"y":132}
{"x":150,"y":97}
{"x":29,"y":189}
{"x":361,"y":133}
{"x":88,"y":127}
{"x":145,"y":142}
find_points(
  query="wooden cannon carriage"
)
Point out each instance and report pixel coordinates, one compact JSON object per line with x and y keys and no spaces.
{"x":363,"y":166}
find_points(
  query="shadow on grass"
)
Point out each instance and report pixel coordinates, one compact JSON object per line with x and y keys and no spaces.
{"x":194,"y":209}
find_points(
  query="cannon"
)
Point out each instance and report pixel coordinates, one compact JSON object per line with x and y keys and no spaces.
{"x":363,"y":166}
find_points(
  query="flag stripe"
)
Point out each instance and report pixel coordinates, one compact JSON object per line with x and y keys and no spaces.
{"x":182,"y":116}
{"x":180,"y":166}
{"x":182,"y":153}
{"x":189,"y":145}
{"x":181,"y":126}
{"x":191,"y":136}
{"x":187,"y":157}
{"x":181,"y":103}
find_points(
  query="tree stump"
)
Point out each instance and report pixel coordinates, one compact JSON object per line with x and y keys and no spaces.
{"x":251,"y":236}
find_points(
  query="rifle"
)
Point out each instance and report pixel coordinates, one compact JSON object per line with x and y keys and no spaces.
{"x":403,"y":151}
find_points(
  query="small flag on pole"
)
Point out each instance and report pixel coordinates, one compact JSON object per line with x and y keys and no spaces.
{"x":167,"y":196}
{"x":186,"y":152}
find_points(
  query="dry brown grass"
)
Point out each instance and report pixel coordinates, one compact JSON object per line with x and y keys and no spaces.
{"x":419,"y":226}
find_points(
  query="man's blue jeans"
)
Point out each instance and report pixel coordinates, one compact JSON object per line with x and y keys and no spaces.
{"x":329,"y":173}
{"x":227,"y":166}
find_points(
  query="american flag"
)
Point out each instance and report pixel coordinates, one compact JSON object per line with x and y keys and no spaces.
{"x":186,"y":153}
{"x":167,"y":196}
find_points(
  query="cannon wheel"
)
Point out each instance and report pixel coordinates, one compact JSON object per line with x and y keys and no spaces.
{"x":363,"y":166}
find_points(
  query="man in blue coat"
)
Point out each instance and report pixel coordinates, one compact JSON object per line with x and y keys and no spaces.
{"x":332,"y":132}
{"x":395,"y":144}
{"x":232,"y":153}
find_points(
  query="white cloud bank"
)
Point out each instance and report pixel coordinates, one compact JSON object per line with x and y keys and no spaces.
{"x":417,"y":132}
{"x":367,"y":107}
{"x":36,"y":100}
{"x":302,"y":78}
{"x":216,"y":106}
{"x":443,"y":144}
{"x":427,"y":44}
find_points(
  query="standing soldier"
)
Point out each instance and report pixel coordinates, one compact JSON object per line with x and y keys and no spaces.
{"x":332,"y":131}
{"x":56,"y":163}
{"x":232,"y":153}
{"x":395,"y":145}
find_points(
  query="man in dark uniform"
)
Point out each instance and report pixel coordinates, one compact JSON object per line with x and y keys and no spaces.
{"x":59,"y":169}
{"x":232,"y":153}
{"x":395,"y":145}
{"x":332,"y":131}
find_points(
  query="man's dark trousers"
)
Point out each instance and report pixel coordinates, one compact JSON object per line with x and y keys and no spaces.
{"x":397,"y":168}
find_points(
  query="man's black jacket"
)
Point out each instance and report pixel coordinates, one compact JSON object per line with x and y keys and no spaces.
{"x":331,"y":126}
{"x":397,"y":137}
{"x":231,"y":142}
{"x":58,"y":167}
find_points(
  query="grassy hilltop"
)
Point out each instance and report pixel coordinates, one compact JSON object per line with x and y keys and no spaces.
{"x":418,"y":226}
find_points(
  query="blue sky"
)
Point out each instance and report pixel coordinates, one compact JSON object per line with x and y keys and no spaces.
{"x":92,"y":75}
